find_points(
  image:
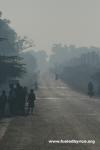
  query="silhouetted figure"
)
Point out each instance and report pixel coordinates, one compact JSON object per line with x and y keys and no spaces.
{"x":31,"y":99}
{"x":19,"y":98}
{"x":90,"y":89}
{"x":12,"y":100}
{"x":3,"y":101}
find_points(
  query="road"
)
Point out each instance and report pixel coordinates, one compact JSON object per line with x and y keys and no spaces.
{"x":60,"y":113}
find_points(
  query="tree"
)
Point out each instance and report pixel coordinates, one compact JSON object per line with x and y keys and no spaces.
{"x":23,"y":43}
{"x":10,"y":67}
{"x":10,"y":61}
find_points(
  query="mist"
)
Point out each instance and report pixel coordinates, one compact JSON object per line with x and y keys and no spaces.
{"x":77,"y":66}
{"x":49,"y":74}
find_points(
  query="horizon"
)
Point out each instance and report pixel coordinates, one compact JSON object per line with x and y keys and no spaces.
{"x":55,"y":21}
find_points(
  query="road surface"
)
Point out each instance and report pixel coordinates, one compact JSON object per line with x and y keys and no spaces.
{"x":60,"y":113}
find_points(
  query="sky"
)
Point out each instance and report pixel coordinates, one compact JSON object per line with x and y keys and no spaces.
{"x":55,"y":21}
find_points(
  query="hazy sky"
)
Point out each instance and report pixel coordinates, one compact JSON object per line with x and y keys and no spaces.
{"x":49,"y":21}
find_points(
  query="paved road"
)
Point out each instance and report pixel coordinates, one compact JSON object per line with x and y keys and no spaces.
{"x":60,"y":113}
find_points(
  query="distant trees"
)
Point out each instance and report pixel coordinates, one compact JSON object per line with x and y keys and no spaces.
{"x":41,"y":57}
{"x":59,"y":54}
{"x":67,"y":55}
{"x":76,"y":65}
{"x":90,"y":58}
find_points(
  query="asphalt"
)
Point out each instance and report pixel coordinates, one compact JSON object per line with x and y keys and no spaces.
{"x":60,"y":114}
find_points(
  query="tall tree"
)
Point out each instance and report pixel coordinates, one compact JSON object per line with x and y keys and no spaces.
{"x":10,"y":62}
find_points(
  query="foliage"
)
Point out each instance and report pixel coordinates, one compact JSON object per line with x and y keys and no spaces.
{"x":76,"y":65}
{"x":10,"y":63}
{"x":10,"y":67}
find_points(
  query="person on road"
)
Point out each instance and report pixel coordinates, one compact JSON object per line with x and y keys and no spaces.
{"x":90,"y":89}
{"x":3,"y":101}
{"x":19,"y":98}
{"x":12,"y":99}
{"x":31,"y":99}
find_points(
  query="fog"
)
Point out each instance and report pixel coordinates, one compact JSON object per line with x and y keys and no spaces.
{"x":49,"y":74}
{"x":66,"y":40}
{"x":54,"y":21}
{"x":76,"y":66}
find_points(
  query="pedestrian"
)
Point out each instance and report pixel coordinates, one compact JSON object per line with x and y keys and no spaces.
{"x":3,"y":101}
{"x":19,"y":98}
{"x":12,"y":100}
{"x":31,"y":99}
